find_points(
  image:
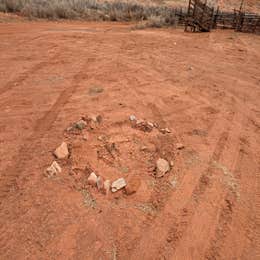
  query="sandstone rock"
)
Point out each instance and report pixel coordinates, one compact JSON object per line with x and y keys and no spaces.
{"x":106,"y":186}
{"x":144,"y":148}
{"x":118,"y":184}
{"x":100,"y":182}
{"x":155,"y":125}
{"x":70,"y":128}
{"x":165,"y":130}
{"x":132,"y":185}
{"x":173,"y":183}
{"x":132,"y":118}
{"x":139,"y":121}
{"x":96,"y":118}
{"x":95,"y":90}
{"x":144,"y":126}
{"x":53,"y":170}
{"x":81,"y":124}
{"x":102,"y":138}
{"x":150,"y":124}
{"x":162,"y":167}
{"x":85,"y":137}
{"x":179,"y":146}
{"x":62,"y":151}
{"x":92,"y":179}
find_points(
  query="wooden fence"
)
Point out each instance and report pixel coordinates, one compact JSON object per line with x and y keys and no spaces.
{"x":200,"y":17}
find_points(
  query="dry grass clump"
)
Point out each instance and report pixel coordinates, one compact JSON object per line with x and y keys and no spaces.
{"x":91,"y":10}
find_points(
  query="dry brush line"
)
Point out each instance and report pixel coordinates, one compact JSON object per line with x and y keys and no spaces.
{"x":156,"y":16}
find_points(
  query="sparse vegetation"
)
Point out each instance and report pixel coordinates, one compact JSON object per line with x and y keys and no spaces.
{"x":156,"y":16}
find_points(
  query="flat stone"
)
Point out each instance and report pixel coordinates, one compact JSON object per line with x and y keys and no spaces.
{"x":95,"y":90}
{"x":179,"y":146}
{"x":53,"y":170}
{"x":144,"y":148}
{"x":81,"y":124}
{"x":162,"y":167}
{"x":139,"y":121}
{"x":150,"y":124}
{"x":70,"y":128}
{"x":62,"y":151}
{"x":92,"y":179}
{"x":118,"y":184}
{"x":165,"y":130}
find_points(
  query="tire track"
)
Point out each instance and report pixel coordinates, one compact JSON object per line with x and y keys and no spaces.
{"x":25,"y":75}
{"x":25,"y":153}
{"x":185,"y":215}
{"x":8,"y":181}
{"x":10,"y":192}
{"x":257,"y":219}
{"x":181,"y":220}
{"x":225,"y":216}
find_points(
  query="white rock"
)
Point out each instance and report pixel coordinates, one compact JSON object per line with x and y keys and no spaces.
{"x":118,"y":184}
{"x":174,"y":183}
{"x":53,"y":170}
{"x":162,"y":167}
{"x":62,"y":151}
{"x":132,"y":118}
{"x":150,"y":124}
{"x":92,"y":179}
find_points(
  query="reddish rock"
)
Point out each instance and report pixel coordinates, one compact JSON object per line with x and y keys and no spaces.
{"x":107,"y":185}
{"x":62,"y":151}
{"x":165,"y":130}
{"x":92,"y":179}
{"x":100,"y":183}
{"x":132,"y":185}
{"x":179,"y":146}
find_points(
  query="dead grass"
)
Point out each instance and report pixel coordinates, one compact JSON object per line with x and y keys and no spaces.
{"x":156,"y":15}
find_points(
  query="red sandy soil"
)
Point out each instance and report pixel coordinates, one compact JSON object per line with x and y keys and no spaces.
{"x":204,"y":87}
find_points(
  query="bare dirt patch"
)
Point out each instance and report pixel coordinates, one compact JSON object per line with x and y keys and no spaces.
{"x":204,"y":88}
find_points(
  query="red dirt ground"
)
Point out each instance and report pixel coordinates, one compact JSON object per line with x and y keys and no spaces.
{"x":204,"y":87}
